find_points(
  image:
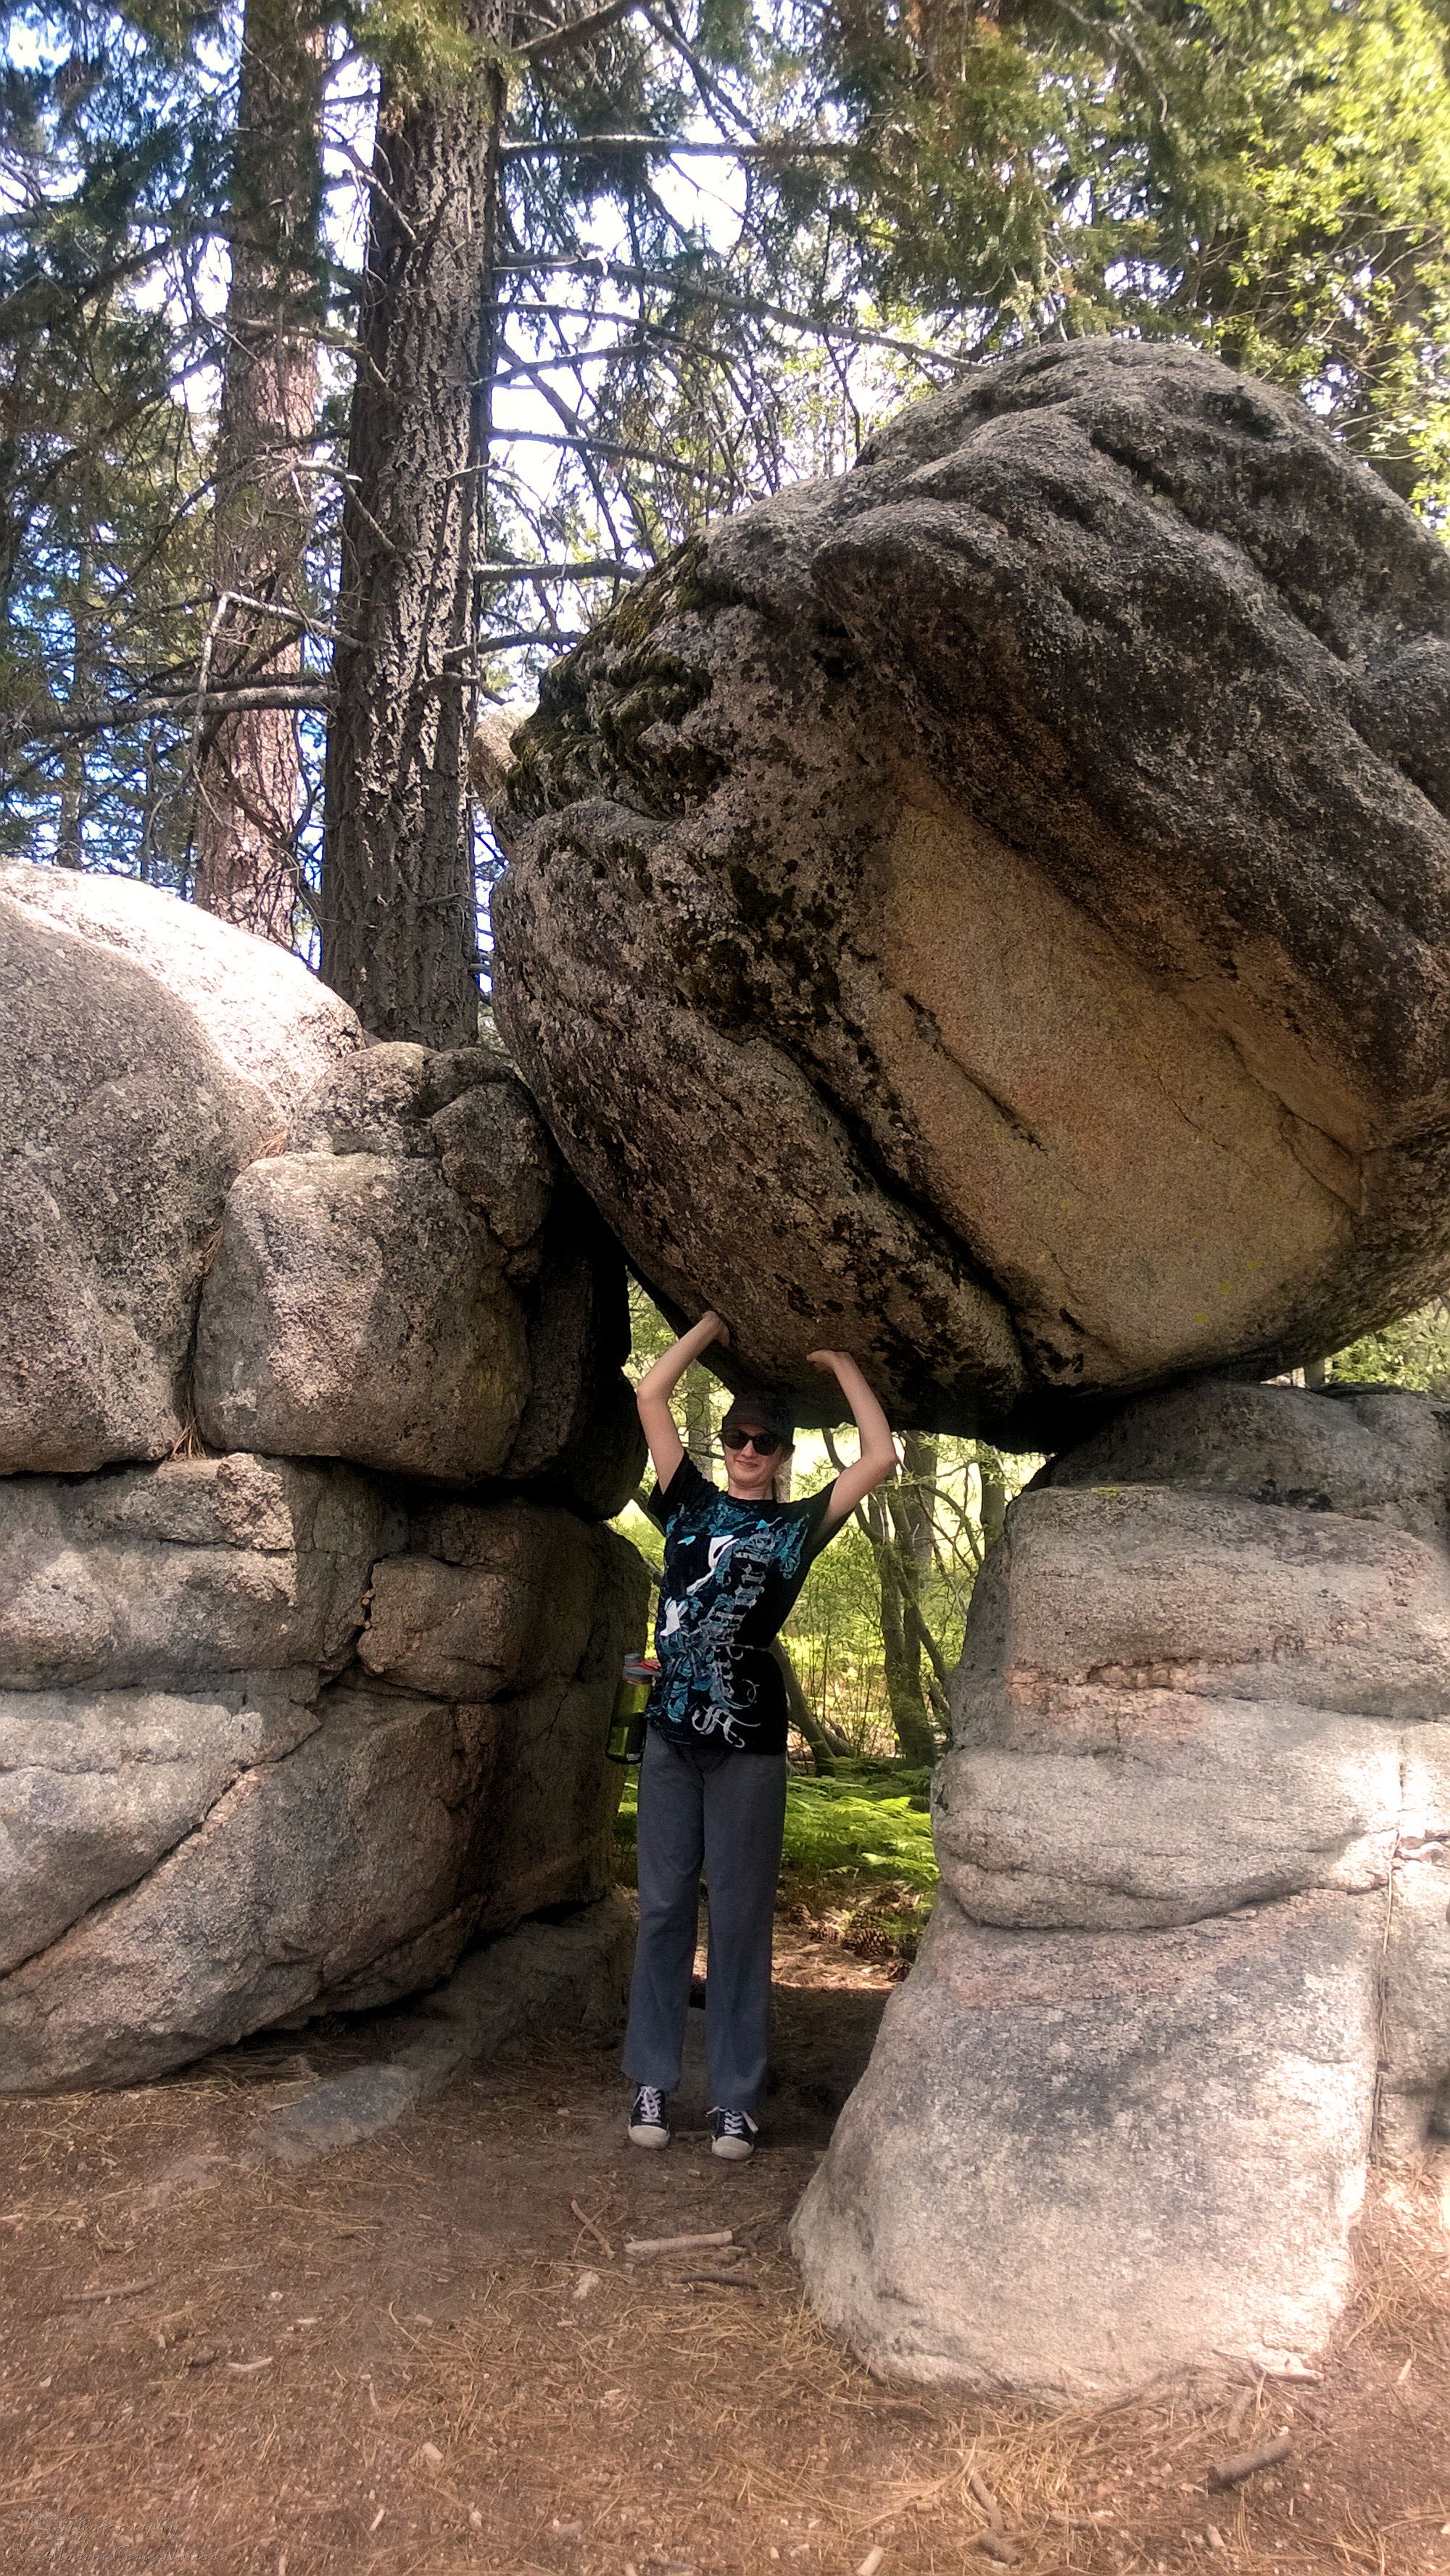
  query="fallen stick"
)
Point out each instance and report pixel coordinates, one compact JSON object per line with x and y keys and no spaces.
{"x":763,"y":2218}
{"x":985,"y":2498}
{"x":870,"y":2562}
{"x":643,"y":2246}
{"x":597,"y":2233}
{"x":1232,"y":2473}
{"x":725,"y":2281}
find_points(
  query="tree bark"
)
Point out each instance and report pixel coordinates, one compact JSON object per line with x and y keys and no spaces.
{"x":249,"y":771}
{"x":994,"y":1495}
{"x":698,"y":1426}
{"x":70,"y":841}
{"x":398,"y":910}
{"x":802,"y":1715}
{"x":900,"y":1641}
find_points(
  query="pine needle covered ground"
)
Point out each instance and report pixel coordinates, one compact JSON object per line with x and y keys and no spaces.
{"x":430,"y":2355}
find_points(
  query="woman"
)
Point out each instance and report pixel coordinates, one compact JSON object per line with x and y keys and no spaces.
{"x":712,"y":1781}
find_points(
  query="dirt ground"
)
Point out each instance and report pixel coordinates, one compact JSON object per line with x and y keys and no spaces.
{"x":429,"y":2354}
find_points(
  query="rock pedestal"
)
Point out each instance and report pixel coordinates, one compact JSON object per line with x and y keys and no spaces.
{"x":1193,"y":1933}
{"x":150,"y":1053}
{"x":227,"y":1214}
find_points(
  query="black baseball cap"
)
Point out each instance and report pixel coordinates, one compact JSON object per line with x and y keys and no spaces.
{"x":761,"y":1413}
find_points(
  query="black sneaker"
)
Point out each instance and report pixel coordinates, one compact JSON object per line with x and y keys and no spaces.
{"x":733,"y":2134}
{"x":648,"y":2126}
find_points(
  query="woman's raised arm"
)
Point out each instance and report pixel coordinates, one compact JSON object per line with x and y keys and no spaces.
{"x":878,"y":1458}
{"x":657,"y":1386}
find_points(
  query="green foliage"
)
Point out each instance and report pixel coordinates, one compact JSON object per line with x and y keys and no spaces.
{"x":1271,"y":177}
{"x":1268,"y":177}
{"x":1414,"y":1353}
{"x":834,"y":1636}
{"x":866,"y":1823}
{"x":420,"y":43}
{"x":869,"y":1823}
{"x":116,"y":158}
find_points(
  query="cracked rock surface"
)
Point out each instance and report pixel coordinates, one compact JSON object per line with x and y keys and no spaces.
{"x":225,"y":1211}
{"x":1194,"y":1924}
{"x":150,"y":1052}
{"x":990,"y":911}
{"x":253,"y":1765}
{"x":281,"y":1729}
{"x":415,"y":1285}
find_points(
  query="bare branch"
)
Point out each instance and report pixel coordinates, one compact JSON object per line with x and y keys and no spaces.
{"x":597,"y":447}
{"x":598,"y":568}
{"x":554,"y":640}
{"x":183,"y":702}
{"x":816,"y":325}
{"x":575,"y":31}
{"x":789,"y":148}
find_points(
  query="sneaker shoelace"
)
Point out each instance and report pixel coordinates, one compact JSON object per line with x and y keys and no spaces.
{"x":649,"y":2107}
{"x":733,"y":2124}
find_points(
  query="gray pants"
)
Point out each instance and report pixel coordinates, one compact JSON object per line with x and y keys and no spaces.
{"x":726,"y":1810}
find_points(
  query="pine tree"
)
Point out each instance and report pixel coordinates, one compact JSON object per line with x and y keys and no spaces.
{"x":907,"y":190}
{"x":249,"y":771}
{"x":398,"y":928}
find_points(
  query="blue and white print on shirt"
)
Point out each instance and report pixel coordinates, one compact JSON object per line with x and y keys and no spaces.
{"x":732,"y":1573}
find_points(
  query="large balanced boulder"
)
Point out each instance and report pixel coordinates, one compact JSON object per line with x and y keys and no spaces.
{"x":150,"y":1053}
{"x":991,"y":911}
{"x":1194,"y":1922}
{"x":270,"y":1744}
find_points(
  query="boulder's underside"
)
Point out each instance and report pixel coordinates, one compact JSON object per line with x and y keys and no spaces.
{"x":991,"y":912}
{"x":1194,"y":1922}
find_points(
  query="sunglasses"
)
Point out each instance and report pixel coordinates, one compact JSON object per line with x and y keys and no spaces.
{"x":764,"y":1443}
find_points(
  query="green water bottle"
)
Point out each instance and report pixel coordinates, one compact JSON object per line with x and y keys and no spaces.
{"x":625,"y":1740}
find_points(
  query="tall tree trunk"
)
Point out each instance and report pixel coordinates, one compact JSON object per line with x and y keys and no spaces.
{"x":249,"y":771}
{"x":69,"y":840}
{"x":398,"y":915}
{"x":698,"y":1425}
{"x":900,"y":1641}
{"x":70,"y":849}
{"x":802,"y":1715}
{"x":994,"y":1495}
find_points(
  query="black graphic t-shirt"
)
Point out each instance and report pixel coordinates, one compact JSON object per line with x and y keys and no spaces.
{"x":731,"y":1575}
